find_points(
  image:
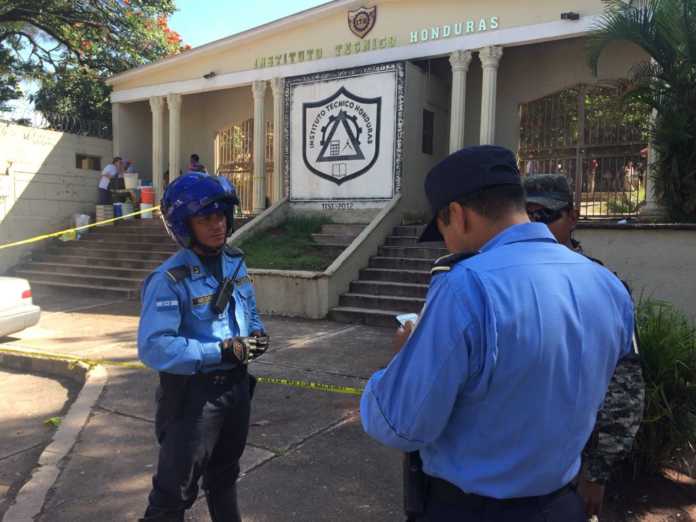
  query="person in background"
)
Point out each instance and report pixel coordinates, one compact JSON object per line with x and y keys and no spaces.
{"x":550,"y":201}
{"x":109,"y":173}
{"x":195,"y":165}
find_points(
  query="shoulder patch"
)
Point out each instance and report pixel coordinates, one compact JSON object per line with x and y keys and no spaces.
{"x":234,"y":251}
{"x":178,"y":273}
{"x":445,"y":263}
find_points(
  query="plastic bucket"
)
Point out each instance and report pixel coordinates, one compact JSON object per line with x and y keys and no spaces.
{"x":131,"y":180}
{"x":118,"y":209}
{"x":147,"y":195}
{"x":103,"y":213}
{"x":143,"y":207}
{"x":127,"y":208}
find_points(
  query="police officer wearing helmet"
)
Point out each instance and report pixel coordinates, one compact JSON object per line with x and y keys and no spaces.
{"x":199,"y":327}
{"x":498,"y":384}
{"x":550,"y":201}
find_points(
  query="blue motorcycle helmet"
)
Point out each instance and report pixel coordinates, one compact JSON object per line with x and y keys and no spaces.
{"x":196,"y":194}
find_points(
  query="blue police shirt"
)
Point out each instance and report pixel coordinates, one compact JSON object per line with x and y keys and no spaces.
{"x":501,"y":380}
{"x":179,"y":332}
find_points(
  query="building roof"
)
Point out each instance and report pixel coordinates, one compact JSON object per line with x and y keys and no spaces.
{"x":238,"y":38}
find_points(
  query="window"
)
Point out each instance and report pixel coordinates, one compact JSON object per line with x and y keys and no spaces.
{"x":428,"y":131}
{"x":83,"y":161}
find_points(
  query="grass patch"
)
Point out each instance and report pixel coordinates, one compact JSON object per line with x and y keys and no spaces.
{"x":289,"y":246}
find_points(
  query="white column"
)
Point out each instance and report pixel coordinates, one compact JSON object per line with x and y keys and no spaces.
{"x":459,"y":60}
{"x":116,"y":128}
{"x":174,"y":104}
{"x":259,"y":91}
{"x":651,"y":209}
{"x":157,"y":110}
{"x":278,"y":87}
{"x":490,"y":58}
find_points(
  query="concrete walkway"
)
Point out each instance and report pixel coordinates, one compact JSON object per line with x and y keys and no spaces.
{"x":307,"y":457}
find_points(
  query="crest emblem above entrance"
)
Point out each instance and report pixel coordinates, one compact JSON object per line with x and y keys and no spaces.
{"x":362,"y":20}
{"x":340,"y":135}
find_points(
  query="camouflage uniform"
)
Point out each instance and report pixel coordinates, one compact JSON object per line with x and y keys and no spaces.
{"x":621,"y":413}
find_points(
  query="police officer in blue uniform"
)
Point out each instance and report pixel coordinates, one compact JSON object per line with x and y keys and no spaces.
{"x":498,"y":383}
{"x":199,"y":327}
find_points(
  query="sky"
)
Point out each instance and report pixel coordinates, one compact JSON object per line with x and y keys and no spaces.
{"x":202,"y":21}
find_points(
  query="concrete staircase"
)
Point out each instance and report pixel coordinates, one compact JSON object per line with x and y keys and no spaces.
{"x":109,"y":260}
{"x":335,"y":237}
{"x":395,"y":281}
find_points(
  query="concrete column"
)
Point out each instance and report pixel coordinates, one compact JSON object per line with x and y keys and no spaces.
{"x":116,"y":128}
{"x":278,"y":87}
{"x":157,"y":110}
{"x":174,"y":104}
{"x":459,"y":60}
{"x":651,"y":210}
{"x":490,"y":58}
{"x":258,"y":89}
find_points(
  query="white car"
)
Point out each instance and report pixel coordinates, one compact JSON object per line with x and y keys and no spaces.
{"x":17,"y":311}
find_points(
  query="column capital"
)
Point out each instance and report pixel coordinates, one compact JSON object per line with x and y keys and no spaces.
{"x":258,"y":89}
{"x":490,"y":56}
{"x":156,"y":103}
{"x":460,"y":60}
{"x":277,"y":86}
{"x":174,"y":101}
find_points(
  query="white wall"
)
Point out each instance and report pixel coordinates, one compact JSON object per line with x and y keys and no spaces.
{"x":40,"y":187}
{"x":655,"y":261}
{"x":421,"y":93}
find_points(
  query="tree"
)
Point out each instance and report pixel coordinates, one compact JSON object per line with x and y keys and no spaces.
{"x":72,"y":43}
{"x":666,"y":31}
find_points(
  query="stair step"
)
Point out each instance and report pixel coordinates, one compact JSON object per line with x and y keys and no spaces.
{"x":413,"y":252}
{"x":333,"y":240}
{"x":342,"y":229}
{"x":70,"y":268}
{"x":130,"y":237}
{"x":395,"y":275}
{"x":381,"y":302}
{"x":348,"y":314}
{"x":401,"y":263}
{"x":119,"y":253}
{"x":143,"y":264}
{"x":401,"y":240}
{"x":63,"y":277}
{"x":38,"y":285}
{"x":389,"y":288}
{"x":127,"y":245}
{"x":409,"y":230}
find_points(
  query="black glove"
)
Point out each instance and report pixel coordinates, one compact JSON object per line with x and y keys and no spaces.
{"x":258,"y":344}
{"x":235,"y":351}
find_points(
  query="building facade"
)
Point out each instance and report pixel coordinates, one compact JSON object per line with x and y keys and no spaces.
{"x":344,"y":106}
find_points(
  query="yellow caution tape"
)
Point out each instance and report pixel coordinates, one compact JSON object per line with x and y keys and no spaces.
{"x":76,"y":229}
{"x":307,"y":385}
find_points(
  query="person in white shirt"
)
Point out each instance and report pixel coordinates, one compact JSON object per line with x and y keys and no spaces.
{"x":110,"y":172}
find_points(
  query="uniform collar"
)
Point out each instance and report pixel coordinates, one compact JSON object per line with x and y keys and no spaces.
{"x":198,"y":271}
{"x":520,"y":233}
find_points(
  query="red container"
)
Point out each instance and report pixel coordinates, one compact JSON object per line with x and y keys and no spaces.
{"x":147,"y":195}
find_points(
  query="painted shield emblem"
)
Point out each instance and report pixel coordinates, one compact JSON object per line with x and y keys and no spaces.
{"x":361,"y":21}
{"x":340,"y":135}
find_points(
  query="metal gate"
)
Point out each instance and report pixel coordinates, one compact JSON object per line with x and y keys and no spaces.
{"x":234,"y":146}
{"x":589,"y":126}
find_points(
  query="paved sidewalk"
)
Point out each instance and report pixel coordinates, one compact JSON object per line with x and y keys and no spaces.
{"x":307,"y":457}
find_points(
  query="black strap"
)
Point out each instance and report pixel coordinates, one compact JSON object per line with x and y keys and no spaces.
{"x":179,"y":273}
{"x":445,"y":263}
{"x":234,"y":251}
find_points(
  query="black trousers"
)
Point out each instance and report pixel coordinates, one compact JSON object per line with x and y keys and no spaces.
{"x":206,"y":438}
{"x":566,"y":506}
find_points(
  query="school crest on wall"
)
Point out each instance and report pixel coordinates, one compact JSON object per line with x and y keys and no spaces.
{"x":362,"y":20}
{"x":340,"y":135}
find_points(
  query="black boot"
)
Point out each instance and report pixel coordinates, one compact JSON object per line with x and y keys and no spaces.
{"x":222,"y":504}
{"x":156,"y":515}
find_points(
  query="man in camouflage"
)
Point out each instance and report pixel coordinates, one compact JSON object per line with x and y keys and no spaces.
{"x":550,"y":201}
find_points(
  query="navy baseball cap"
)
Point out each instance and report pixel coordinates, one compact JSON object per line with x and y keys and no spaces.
{"x":465,"y":173}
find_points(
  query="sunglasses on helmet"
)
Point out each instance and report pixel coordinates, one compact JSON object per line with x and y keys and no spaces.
{"x":546,"y":215}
